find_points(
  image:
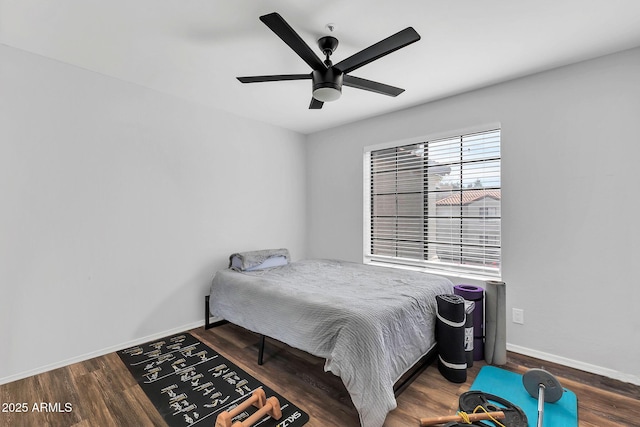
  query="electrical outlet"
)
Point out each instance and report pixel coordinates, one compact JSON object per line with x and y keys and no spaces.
{"x":518,"y":315}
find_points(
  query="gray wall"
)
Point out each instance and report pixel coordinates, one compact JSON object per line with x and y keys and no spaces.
{"x":119,"y":203}
{"x":570,"y":144}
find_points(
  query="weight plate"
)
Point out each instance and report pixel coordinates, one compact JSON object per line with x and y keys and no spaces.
{"x":514,"y":416}
{"x":552,"y":389}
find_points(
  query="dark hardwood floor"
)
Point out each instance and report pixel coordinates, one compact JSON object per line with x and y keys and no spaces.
{"x":101,"y":392}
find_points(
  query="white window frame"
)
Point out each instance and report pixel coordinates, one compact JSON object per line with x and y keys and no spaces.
{"x":413,"y":264}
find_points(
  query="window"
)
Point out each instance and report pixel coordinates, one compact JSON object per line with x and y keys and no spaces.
{"x":435,"y":204}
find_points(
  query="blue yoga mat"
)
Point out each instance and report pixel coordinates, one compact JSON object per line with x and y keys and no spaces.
{"x":508,"y":385}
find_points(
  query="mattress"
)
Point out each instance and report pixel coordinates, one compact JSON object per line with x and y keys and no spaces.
{"x":370,"y":323}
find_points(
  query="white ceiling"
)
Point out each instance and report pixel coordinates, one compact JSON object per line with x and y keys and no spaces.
{"x":194,"y":49}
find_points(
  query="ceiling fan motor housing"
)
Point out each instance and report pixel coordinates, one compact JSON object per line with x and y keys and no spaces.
{"x":327,"y":84}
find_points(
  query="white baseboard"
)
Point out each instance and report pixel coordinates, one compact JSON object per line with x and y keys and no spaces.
{"x":576,"y":364}
{"x":102,"y":352}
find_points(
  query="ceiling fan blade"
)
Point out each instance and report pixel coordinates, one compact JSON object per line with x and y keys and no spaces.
{"x":274,"y":78}
{"x":378,"y":50}
{"x":278,"y":25}
{"x":371,"y":86}
{"x":315,"y":104}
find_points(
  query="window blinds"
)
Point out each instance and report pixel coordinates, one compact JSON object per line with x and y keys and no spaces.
{"x":436,"y":204}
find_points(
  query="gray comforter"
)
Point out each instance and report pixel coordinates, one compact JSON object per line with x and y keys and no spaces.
{"x":371,"y":324}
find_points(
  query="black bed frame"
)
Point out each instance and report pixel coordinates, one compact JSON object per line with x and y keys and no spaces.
{"x":398,"y":387}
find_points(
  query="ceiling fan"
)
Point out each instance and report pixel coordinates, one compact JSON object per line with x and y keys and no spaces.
{"x":328,"y":78}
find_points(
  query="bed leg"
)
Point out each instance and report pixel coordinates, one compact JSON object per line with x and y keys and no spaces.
{"x":261,"y":350}
{"x":207,"y":315}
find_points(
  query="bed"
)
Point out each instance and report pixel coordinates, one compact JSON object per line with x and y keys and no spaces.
{"x":371,"y":324}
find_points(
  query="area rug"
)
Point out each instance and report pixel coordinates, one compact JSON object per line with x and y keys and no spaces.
{"x":508,"y":385}
{"x":190,"y":383}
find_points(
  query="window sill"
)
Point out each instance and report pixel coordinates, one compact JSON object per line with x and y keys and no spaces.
{"x":445,"y":273}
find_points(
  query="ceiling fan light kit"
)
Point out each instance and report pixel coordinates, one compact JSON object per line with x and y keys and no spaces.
{"x":327,"y":85}
{"x":328,"y":79}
